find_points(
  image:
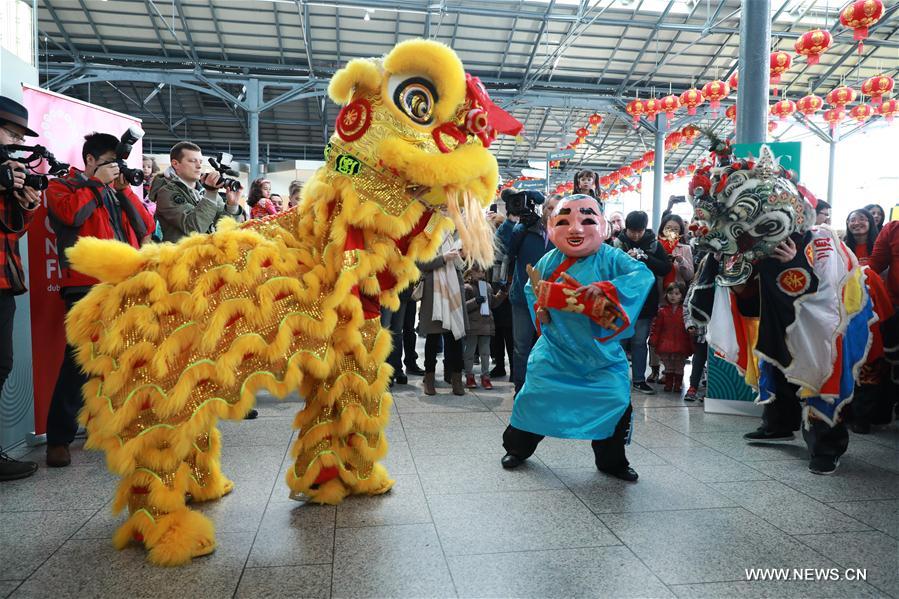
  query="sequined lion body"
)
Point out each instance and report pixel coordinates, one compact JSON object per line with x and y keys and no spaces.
{"x":177,"y":336}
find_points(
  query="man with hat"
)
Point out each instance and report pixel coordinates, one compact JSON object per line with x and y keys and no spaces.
{"x":17,"y":205}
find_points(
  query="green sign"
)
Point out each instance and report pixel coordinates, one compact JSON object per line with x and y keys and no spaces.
{"x":787,"y":152}
{"x":560,"y":155}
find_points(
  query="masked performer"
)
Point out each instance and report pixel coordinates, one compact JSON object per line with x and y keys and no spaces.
{"x":179,"y":335}
{"x":584,"y":297}
{"x":809,"y":337}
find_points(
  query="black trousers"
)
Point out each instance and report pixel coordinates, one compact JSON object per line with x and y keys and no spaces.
{"x":410,"y":338}
{"x":452,"y":352}
{"x":393,"y":322}
{"x":608,"y":453}
{"x":501,"y":345}
{"x":700,"y":356}
{"x":784,"y":415}
{"x":61,"y":419}
{"x":7,"y":320}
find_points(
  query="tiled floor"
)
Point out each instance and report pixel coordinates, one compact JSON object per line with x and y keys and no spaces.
{"x":706,"y":507}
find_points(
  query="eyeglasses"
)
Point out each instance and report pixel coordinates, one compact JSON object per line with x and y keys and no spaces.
{"x":16,"y":138}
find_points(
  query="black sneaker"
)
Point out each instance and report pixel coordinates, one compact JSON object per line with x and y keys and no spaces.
{"x":644,"y":388}
{"x":760,"y":434}
{"x":497,"y":372}
{"x":11,"y":469}
{"x":823,"y":465}
{"x":414,"y":369}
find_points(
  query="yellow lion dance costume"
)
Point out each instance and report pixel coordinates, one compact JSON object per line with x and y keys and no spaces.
{"x":176,"y":336}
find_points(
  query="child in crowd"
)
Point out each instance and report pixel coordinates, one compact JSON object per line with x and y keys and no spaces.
{"x":479,"y":302}
{"x":669,"y":337}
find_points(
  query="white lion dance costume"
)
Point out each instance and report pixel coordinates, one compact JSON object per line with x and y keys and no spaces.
{"x":177,"y":336}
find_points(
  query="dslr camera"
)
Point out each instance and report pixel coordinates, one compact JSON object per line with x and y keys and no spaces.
{"x":523,"y":204}
{"x":134,"y":176}
{"x":36,"y":181}
{"x":221,"y":162}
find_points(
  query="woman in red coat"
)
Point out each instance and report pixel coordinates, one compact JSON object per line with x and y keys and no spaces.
{"x":669,"y":337}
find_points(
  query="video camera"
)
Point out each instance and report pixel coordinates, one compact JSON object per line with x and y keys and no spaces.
{"x":221,"y":162}
{"x":523,"y":204}
{"x":134,"y":176}
{"x":36,"y":181}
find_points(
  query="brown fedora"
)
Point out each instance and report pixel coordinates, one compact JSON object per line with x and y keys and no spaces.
{"x":13,"y":112}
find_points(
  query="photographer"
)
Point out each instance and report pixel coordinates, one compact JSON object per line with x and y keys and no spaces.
{"x":17,"y":205}
{"x":525,"y":243}
{"x":188,"y":201}
{"x":641,"y":244}
{"x":97,"y":202}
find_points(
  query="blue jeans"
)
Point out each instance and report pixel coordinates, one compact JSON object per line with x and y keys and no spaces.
{"x":639,"y":349}
{"x":524,"y":335}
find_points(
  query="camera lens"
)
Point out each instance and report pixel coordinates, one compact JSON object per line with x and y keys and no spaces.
{"x":36,"y":182}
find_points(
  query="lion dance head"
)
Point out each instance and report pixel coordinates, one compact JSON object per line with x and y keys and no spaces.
{"x":743,"y":209}
{"x":413,"y":124}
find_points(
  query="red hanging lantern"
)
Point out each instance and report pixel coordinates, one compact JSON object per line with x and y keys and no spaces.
{"x":650,"y":157}
{"x":669,"y":177}
{"x":780,"y":62}
{"x":673,"y":141}
{"x":861,"y":112}
{"x":613,"y":193}
{"x":604,"y":195}
{"x":560,"y":189}
{"x":635,"y":108}
{"x":638,"y":165}
{"x":876,"y":87}
{"x":783,"y":109}
{"x":840,"y":96}
{"x":670,"y":104}
{"x":651,"y":108}
{"x":771,"y":126}
{"x":689,"y":133}
{"x":640,"y":186}
{"x":860,"y":15}
{"x":595,"y":121}
{"x":691,"y":99}
{"x":812,"y":45}
{"x":576,"y":142}
{"x":626,"y":172}
{"x":604,"y":181}
{"x":714,"y":92}
{"x":692,"y":168}
{"x":734,"y":80}
{"x":569,"y":186}
{"x":809,"y":104}
{"x":834,"y":117}
{"x":889,"y":109}
{"x":582,"y":133}
{"x":681,"y":173}
{"x":731,"y":113}
{"x":614,"y":177}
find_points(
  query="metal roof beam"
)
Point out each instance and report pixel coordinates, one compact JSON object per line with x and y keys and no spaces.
{"x":62,"y":30}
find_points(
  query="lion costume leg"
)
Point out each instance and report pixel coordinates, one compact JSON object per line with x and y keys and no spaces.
{"x":342,"y":425}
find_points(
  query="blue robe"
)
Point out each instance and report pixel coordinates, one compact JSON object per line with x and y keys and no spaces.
{"x":578,"y":387}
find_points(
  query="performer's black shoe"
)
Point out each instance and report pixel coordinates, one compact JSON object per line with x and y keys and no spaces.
{"x":400,"y":378}
{"x":497,"y":372}
{"x":251,"y":415}
{"x":823,"y":465}
{"x":761,"y":434}
{"x":414,"y":369}
{"x":510,"y":461}
{"x":627,"y":474}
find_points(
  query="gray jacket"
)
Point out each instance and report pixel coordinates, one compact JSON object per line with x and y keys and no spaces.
{"x":426,"y":324}
{"x":182,"y":211}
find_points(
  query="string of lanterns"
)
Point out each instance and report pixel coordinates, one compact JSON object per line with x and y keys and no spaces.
{"x":858,"y":15}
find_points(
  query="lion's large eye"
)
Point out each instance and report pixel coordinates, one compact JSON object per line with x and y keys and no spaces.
{"x":416,"y":97}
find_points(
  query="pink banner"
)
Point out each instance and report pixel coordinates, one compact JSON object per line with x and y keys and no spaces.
{"x":61,"y":123}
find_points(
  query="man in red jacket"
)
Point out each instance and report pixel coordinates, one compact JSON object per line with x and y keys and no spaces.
{"x":97,"y":202}
{"x":886,"y":255}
